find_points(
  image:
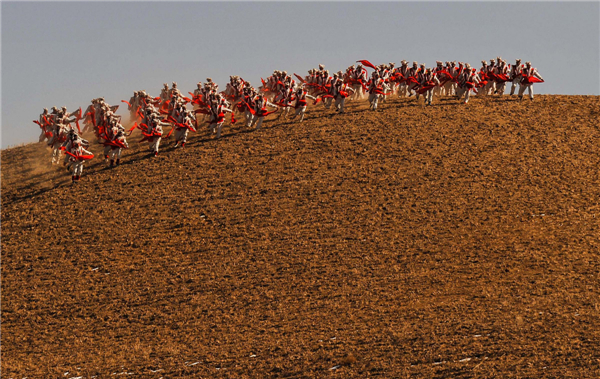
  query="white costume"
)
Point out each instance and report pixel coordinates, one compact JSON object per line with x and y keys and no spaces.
{"x":403,"y":70}
{"x":155,"y":132}
{"x":467,"y":80}
{"x":525,"y":83}
{"x":376,"y":90}
{"x":260,"y":110}
{"x":429,"y":79}
{"x":185,"y":121}
{"x":515,"y":75}
{"x":45,"y":124}
{"x":115,"y":152}
{"x":73,"y":141}
{"x":340,"y":92}
{"x":217,"y":117}
{"x":300,"y":102}
{"x":501,"y":70}
{"x":78,"y":151}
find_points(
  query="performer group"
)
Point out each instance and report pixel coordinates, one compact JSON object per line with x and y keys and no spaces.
{"x":279,"y":93}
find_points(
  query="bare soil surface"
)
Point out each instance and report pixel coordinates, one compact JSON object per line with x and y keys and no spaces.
{"x":445,"y":241}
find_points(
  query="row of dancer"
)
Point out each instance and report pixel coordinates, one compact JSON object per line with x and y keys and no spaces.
{"x":449,"y":80}
{"x":280,"y":92}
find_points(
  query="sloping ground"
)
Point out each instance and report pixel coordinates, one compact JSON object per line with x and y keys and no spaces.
{"x":447,"y":241}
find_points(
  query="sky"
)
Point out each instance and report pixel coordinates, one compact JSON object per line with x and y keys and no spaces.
{"x":67,"y":53}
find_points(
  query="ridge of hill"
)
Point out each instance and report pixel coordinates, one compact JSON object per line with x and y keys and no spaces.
{"x":444,"y":241}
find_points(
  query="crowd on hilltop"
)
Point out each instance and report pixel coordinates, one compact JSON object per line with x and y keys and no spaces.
{"x":282,"y":93}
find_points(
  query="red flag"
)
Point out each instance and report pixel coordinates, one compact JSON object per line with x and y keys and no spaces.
{"x":368,"y":64}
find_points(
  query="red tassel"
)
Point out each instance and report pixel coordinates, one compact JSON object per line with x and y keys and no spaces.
{"x":133,"y":127}
{"x":93,"y":117}
{"x":268,"y":113}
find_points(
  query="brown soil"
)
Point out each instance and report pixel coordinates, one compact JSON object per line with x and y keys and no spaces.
{"x":445,"y":241}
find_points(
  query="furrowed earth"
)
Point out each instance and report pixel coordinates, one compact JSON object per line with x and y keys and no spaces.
{"x":446,"y":241}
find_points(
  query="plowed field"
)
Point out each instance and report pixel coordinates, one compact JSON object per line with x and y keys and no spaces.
{"x":444,"y":241}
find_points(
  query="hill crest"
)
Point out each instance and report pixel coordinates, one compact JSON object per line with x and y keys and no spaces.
{"x":435,"y":241}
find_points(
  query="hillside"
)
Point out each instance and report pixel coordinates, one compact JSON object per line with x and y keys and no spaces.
{"x":444,"y":241}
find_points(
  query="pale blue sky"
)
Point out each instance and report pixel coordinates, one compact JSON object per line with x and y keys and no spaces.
{"x":67,"y":53}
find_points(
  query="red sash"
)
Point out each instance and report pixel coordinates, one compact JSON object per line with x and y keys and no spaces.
{"x":426,"y":86}
{"x":530,"y":80}
{"x":357,"y":81}
{"x":115,"y":143}
{"x":263,"y":112}
{"x":80,"y":157}
{"x":300,"y":103}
